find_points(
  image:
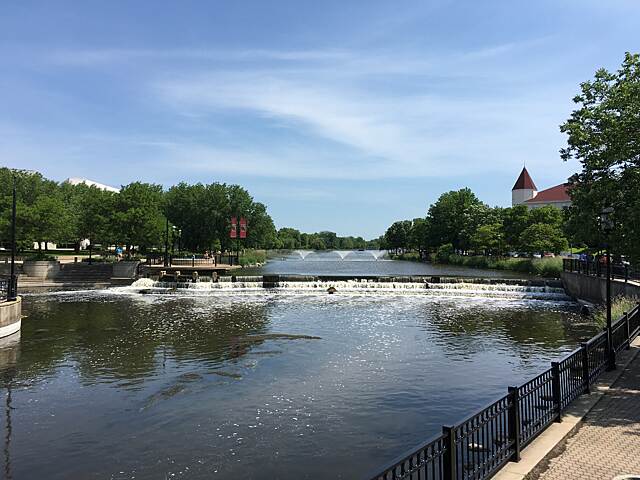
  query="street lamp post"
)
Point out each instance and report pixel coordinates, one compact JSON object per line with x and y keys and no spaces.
{"x":12,"y":293}
{"x":606,"y":223}
{"x":166,"y":243}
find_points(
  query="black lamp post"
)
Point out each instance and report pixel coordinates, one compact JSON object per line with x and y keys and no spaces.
{"x":12,"y":293}
{"x":606,"y":223}
{"x":166,"y":243}
{"x":174,"y":229}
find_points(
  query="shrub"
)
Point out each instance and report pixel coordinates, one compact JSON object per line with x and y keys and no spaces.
{"x":252,"y":257}
{"x":40,"y":257}
{"x":545,"y":267}
{"x":619,"y":306}
{"x":444,"y":252}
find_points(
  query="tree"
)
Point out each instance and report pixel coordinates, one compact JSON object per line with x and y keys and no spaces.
{"x":489,"y":239}
{"x":455,"y":217}
{"x":397,"y":235}
{"x":91,"y":209}
{"x":541,"y":238}
{"x":139,"y":220}
{"x":42,"y":214}
{"x":602,"y":133}
{"x":515,"y":221}
{"x":419,"y":236}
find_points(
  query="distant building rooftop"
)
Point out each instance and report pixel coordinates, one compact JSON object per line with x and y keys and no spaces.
{"x":91,"y":183}
{"x":524,"y":182}
{"x":559,"y":193}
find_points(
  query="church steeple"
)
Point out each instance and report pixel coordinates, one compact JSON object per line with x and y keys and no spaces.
{"x":524,"y":188}
{"x":524,"y":182}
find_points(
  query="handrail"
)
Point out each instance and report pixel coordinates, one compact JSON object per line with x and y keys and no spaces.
{"x":596,"y":268}
{"x":483,"y":442}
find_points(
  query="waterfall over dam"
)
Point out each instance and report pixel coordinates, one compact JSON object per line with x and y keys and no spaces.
{"x":431,"y":286}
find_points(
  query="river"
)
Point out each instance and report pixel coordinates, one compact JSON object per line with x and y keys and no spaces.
{"x":254,"y":383}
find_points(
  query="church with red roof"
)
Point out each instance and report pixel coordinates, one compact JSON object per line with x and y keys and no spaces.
{"x":525,"y":192}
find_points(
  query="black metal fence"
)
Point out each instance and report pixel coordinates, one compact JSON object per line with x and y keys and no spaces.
{"x":5,"y":286}
{"x":194,"y":261}
{"x":598,"y":268}
{"x":476,"y":448}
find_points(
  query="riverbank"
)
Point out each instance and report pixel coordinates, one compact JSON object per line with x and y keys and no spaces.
{"x":543,"y":267}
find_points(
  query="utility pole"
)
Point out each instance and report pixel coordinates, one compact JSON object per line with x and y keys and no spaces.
{"x":12,"y":294}
{"x":606,"y":223}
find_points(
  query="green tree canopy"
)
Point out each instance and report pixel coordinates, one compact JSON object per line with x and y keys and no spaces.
{"x":455,"y":217}
{"x":602,"y":133}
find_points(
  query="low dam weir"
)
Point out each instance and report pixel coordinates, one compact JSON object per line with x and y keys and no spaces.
{"x":433,"y":286}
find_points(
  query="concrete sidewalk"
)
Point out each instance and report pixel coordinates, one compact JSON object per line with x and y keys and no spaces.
{"x":607,"y":443}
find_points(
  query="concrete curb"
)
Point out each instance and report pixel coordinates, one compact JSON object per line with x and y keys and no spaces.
{"x":536,"y":456}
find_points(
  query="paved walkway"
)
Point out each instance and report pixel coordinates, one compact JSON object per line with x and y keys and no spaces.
{"x":608,"y":442}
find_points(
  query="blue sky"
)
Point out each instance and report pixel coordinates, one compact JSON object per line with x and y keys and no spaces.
{"x":339,"y":115}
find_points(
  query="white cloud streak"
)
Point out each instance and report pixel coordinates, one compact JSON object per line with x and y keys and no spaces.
{"x":362,"y":115}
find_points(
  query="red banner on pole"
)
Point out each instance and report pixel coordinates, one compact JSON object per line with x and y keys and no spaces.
{"x":234,"y":232}
{"x":243,"y":227}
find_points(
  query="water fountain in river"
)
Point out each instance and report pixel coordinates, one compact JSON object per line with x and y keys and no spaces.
{"x":349,"y":255}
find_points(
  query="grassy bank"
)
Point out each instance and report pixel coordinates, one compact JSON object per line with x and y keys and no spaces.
{"x":544,"y":267}
{"x":410,"y":256}
{"x":619,"y":306}
{"x":253,"y":257}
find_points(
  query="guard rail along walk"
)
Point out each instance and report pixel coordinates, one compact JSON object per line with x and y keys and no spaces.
{"x":594,"y":268}
{"x":480,"y":445}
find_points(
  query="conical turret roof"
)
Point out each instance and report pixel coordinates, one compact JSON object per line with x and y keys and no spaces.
{"x":524,"y":181}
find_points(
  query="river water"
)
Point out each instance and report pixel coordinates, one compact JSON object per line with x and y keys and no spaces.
{"x":361,"y":263}
{"x":243,"y":382}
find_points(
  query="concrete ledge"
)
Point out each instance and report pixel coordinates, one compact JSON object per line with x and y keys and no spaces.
{"x":10,"y":317}
{"x":41,"y":268}
{"x":125,"y":269}
{"x":536,"y":456}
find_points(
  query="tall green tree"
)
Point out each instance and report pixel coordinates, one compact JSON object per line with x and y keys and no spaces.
{"x":541,"y":238}
{"x":139,"y":219}
{"x":397,"y":235}
{"x":455,"y":217}
{"x":602,"y":133}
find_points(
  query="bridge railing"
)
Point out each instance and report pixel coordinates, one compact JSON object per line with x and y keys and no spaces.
{"x":595,"y":268}
{"x":478,"y":446}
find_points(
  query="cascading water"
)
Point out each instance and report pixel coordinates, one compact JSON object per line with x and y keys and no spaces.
{"x":310,"y":285}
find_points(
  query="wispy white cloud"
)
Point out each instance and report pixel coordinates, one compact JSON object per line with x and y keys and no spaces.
{"x":362,"y":114}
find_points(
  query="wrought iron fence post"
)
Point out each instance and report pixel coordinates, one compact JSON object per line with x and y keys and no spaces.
{"x":450,"y":460}
{"x":557,"y":394}
{"x":514,"y":422}
{"x":585,"y":367}
{"x":627,"y":329}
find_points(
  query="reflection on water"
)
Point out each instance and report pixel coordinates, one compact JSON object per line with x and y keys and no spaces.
{"x":113,"y":385}
{"x":361,"y":263}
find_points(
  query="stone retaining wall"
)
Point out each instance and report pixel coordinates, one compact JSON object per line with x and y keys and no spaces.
{"x":594,"y":289}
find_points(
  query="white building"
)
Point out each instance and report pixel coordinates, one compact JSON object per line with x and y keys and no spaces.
{"x":91,"y":183}
{"x":525,"y":192}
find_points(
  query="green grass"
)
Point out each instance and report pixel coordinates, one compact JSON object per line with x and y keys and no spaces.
{"x":411,"y":256}
{"x":544,"y":267}
{"x":619,"y":306}
{"x":252,"y":257}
